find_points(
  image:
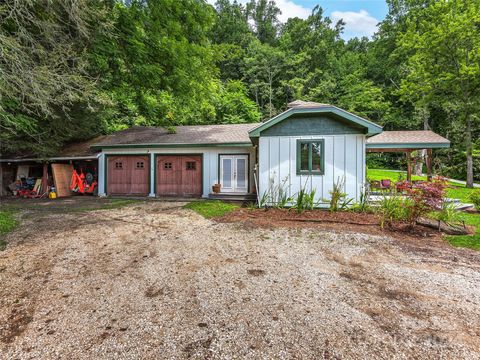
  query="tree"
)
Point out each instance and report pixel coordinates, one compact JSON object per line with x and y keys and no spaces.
{"x":263,"y":66}
{"x":158,"y":67}
{"x":264,"y":15}
{"x":234,"y":106}
{"x":445,"y":63}
{"x":231,"y":24}
{"x":46,"y":93}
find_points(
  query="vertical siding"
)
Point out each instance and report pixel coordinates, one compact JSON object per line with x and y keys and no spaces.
{"x":344,"y":158}
{"x":283,"y":168}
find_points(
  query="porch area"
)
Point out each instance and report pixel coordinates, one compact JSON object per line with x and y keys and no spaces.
{"x":408,"y":142}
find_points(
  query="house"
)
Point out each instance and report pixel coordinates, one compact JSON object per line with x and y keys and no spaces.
{"x":309,"y":146}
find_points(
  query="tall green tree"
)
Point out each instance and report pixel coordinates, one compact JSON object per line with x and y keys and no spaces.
{"x":158,"y":67}
{"x":46,"y":92}
{"x":444,"y":66}
{"x":264,"y":16}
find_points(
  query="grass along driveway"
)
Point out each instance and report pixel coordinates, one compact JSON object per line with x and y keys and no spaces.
{"x":153,"y":279}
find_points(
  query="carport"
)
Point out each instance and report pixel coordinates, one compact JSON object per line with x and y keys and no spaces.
{"x":408,"y":142}
{"x":53,"y":171}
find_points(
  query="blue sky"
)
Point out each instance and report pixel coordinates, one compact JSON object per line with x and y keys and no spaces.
{"x":361,"y":16}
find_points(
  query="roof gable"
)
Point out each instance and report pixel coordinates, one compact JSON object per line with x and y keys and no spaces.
{"x":370,"y":127}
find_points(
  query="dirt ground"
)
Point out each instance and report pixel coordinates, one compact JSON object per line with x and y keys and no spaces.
{"x":153,"y":280}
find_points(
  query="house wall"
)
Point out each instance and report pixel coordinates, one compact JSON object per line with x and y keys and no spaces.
{"x":209,"y":163}
{"x":344,"y":157}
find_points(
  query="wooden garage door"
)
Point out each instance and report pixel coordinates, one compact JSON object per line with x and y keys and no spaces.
{"x":179,"y":175}
{"x":128,"y":175}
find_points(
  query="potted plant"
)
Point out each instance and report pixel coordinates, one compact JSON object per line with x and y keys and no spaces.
{"x":216,"y":188}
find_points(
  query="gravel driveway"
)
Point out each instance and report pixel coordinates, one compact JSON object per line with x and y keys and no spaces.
{"x":153,"y":280}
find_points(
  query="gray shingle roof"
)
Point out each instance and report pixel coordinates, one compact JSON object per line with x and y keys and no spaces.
{"x":196,"y":134}
{"x":305,"y":104}
{"x":407,"y":138}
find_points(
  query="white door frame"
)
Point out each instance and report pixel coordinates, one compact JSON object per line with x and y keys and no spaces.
{"x":234,"y":188}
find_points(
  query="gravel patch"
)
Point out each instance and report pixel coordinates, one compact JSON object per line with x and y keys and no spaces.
{"x":153,"y":280}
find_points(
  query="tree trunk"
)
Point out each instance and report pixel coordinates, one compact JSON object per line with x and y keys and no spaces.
{"x":420,"y":156}
{"x":468,"y":145}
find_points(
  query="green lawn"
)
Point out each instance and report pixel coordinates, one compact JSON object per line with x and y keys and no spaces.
{"x":456,"y":191}
{"x":468,"y":241}
{"x":212,"y":208}
{"x":7,"y":224}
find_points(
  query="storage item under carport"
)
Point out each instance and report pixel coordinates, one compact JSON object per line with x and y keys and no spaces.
{"x":62,"y":175}
{"x":128,"y":174}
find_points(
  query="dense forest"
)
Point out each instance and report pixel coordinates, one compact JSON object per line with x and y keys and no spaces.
{"x":71,"y":70}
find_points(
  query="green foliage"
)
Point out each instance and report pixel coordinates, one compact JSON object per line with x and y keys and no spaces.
{"x":475,"y":198}
{"x":212,"y":208}
{"x":305,"y":199}
{"x":443,"y":42}
{"x":276,"y":195}
{"x":363,"y":205}
{"x":338,"y":197}
{"x":234,"y":106}
{"x":454,"y":190}
{"x":448,"y":214}
{"x":7,"y":224}
{"x":71,"y":71}
{"x":393,"y":209}
{"x":46,"y":94}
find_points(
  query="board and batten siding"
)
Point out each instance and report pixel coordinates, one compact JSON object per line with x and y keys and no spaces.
{"x":209,"y":163}
{"x":344,"y":158}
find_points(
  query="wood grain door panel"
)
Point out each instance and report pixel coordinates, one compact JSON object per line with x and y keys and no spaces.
{"x":179,"y":175}
{"x":128,"y":175}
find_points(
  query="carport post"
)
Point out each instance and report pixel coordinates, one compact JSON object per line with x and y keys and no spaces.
{"x":409,"y":166}
{"x":429,"y":164}
{"x":45,"y":177}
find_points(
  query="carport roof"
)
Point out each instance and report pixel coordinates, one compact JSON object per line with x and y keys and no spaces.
{"x":74,"y":151}
{"x":416,"y":139}
{"x":196,"y":135}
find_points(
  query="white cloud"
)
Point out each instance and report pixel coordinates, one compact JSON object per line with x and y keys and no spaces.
{"x":356,"y":23}
{"x":291,"y":10}
{"x":288,"y":8}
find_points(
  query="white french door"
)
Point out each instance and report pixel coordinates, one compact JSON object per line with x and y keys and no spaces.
{"x":234,"y":173}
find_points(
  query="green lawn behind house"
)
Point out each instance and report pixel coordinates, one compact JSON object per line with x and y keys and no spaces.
{"x":212,"y":208}
{"x":455,"y":191}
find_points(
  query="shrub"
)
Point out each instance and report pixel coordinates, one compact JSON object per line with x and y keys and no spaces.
{"x":338,"y":199}
{"x":448,"y":214}
{"x":362,"y":205}
{"x":393,"y":208}
{"x":425,"y":197}
{"x":276,"y":195}
{"x":475,"y":198}
{"x":305,"y":200}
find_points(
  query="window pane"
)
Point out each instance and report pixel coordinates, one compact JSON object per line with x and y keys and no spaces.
{"x":241,"y":173}
{"x":304,"y":156}
{"x":316,"y":156}
{"x":227,"y":172}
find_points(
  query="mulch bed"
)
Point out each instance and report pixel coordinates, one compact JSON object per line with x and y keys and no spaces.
{"x":325,"y":220}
